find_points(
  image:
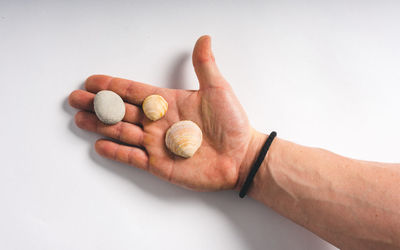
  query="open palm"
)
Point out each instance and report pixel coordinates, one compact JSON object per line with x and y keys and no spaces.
{"x":214,"y":107}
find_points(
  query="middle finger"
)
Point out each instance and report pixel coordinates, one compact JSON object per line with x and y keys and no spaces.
{"x":122,"y":131}
{"x":81,"y":99}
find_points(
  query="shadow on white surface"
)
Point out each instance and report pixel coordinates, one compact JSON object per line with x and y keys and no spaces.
{"x":176,"y":79}
{"x":256,"y":225}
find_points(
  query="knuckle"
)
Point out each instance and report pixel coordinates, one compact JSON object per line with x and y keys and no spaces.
{"x":119,"y":130}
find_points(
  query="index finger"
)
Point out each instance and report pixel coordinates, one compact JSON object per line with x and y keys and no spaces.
{"x":130,"y":91}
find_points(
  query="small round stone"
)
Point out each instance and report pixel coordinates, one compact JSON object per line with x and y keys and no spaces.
{"x":109,"y":107}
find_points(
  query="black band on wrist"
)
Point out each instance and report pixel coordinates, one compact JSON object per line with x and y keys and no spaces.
{"x":257,"y":164}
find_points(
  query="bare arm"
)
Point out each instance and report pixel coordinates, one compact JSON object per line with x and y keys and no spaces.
{"x":350,"y":203}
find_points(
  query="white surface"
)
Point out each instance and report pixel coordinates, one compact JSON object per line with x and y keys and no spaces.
{"x":321,"y":73}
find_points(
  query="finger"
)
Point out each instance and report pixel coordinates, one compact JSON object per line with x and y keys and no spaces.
{"x":81,"y":99}
{"x":130,"y":91}
{"x":204,"y":64}
{"x":126,"y":154}
{"x":122,"y":131}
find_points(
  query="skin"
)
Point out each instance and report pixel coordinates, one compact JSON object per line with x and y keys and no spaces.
{"x":351,"y":204}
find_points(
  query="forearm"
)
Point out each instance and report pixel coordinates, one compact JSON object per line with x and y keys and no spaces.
{"x":352,"y":204}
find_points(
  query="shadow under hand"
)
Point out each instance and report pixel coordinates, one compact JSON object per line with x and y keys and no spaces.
{"x":176,"y":79}
{"x":259,"y":227}
{"x":141,"y":179}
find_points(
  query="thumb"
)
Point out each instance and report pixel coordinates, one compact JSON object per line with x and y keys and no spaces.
{"x":204,"y":64}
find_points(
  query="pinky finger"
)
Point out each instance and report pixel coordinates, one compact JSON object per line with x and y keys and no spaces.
{"x":122,"y":153}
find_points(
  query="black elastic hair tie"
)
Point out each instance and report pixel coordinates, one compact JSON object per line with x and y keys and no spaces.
{"x":257,"y":164}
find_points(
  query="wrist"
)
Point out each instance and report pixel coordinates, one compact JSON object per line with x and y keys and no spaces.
{"x":256,"y":142}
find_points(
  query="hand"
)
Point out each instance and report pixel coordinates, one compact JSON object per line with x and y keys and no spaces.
{"x":223,"y":156}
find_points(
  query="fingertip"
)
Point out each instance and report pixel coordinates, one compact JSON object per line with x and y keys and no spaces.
{"x":100,"y":146}
{"x":202,"y":50}
{"x":94,"y":78}
{"x":71,"y":98}
{"x":207,"y":37}
{"x":79,"y":119}
{"x":75,"y":98}
{"x":86,"y":120}
{"x":89,"y":81}
{"x":97,"y":82}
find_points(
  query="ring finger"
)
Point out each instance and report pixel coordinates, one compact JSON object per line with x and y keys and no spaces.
{"x":122,"y":131}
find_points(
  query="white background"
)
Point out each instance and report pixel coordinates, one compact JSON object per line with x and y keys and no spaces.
{"x":320,"y":73}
